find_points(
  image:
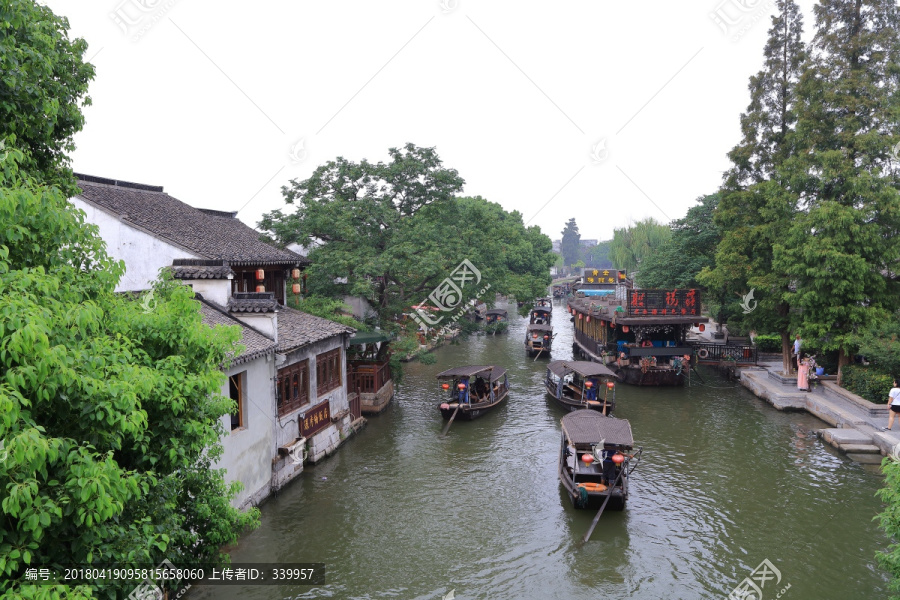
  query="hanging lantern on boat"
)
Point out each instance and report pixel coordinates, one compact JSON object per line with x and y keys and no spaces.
{"x":295,"y":288}
{"x":618,"y":458}
{"x":295,"y":274}
{"x":260,"y":288}
{"x":534,"y":335}
{"x":546,"y":337}
{"x":588,"y":384}
{"x":260,"y":274}
{"x":587,"y":459}
{"x":445,"y":386}
{"x":702,"y":327}
{"x":610,"y":384}
{"x":624,"y":328}
{"x":461,"y":386}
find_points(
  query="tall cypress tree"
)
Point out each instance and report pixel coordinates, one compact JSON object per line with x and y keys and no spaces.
{"x":570,"y":246}
{"x":755,"y":210}
{"x":843,"y":245}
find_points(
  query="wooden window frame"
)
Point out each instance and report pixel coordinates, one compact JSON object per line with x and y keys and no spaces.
{"x":237,"y":386}
{"x":328,"y":371}
{"x":292,"y":387}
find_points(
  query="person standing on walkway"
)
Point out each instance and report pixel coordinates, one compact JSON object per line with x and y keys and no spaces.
{"x":796,"y":352}
{"x":894,"y":402}
{"x":803,"y":375}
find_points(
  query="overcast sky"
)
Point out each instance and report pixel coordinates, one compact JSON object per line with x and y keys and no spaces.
{"x":606,"y":112}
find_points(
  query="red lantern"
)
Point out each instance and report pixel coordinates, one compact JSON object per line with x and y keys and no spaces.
{"x":295,"y":288}
{"x":260,"y":288}
{"x":588,"y":384}
{"x":618,"y":458}
{"x":625,"y":328}
{"x":461,"y":386}
{"x":588,"y":319}
{"x":446,"y":386}
{"x":295,"y":274}
{"x":587,"y":458}
{"x":260,"y":274}
{"x":702,"y":327}
{"x":580,"y":316}
{"x":610,"y":384}
{"x":546,"y":337}
{"x":534,"y":335}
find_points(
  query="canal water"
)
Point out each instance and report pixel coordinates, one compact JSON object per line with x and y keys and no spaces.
{"x":726,"y":483}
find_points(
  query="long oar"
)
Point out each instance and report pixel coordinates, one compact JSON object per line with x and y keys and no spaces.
{"x":450,"y":422}
{"x":587,"y":535}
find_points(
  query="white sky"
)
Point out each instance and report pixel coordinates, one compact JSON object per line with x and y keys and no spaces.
{"x":224,"y":102}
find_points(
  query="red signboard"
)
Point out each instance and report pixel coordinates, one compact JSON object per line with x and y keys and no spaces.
{"x":676,"y":303}
{"x":316,"y":419}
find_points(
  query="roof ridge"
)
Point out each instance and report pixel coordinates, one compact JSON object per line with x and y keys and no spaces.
{"x":119,"y":183}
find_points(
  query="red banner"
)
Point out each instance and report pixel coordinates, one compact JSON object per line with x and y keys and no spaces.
{"x":316,"y":420}
{"x":663,"y":302}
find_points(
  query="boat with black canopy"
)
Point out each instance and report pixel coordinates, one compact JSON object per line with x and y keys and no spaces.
{"x":539,"y":333}
{"x":576,"y":384}
{"x":473,"y":390}
{"x":596,"y":459}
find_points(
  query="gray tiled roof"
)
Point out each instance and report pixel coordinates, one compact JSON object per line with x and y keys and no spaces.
{"x":201,"y":272}
{"x":296,"y":329}
{"x":207,"y":233}
{"x":256,"y":344}
{"x":258,"y":302}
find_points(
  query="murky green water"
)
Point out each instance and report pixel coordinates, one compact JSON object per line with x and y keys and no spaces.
{"x":726,"y":482}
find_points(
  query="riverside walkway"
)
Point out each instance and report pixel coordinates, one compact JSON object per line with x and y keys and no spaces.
{"x":856,"y":424}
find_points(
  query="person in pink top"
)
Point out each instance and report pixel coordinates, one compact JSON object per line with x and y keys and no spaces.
{"x":803,"y":374}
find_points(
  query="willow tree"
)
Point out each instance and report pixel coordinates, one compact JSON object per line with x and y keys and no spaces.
{"x":755,"y":209}
{"x":631,"y":245}
{"x":842,"y":248}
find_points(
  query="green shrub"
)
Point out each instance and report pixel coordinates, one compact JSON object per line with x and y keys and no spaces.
{"x":768,"y":343}
{"x":868,"y":382}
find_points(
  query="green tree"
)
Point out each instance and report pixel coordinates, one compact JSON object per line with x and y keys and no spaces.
{"x":690,"y":249}
{"x":598,"y":256}
{"x":889,"y":520}
{"x":358,"y":215}
{"x":570,"y":246}
{"x":395,"y":232}
{"x":42,"y":89}
{"x":880,"y":344}
{"x":109,"y":408}
{"x":631,"y":245}
{"x":842,"y":248}
{"x":756,"y":207}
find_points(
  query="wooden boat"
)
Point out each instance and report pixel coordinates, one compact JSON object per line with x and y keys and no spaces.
{"x":538,"y":340}
{"x":496,"y":321}
{"x":641,"y":334}
{"x":576,"y":384}
{"x":473,"y":390}
{"x":541,"y":315}
{"x":595,"y":459}
{"x":369,"y":371}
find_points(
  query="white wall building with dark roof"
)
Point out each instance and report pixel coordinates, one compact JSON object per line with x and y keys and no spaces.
{"x":290,"y":382}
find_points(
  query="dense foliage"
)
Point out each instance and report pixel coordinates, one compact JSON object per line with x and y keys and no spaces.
{"x":690,"y":249}
{"x":392,"y":232}
{"x":631,"y":245}
{"x":43,"y":86}
{"x":109,"y":407}
{"x":867,"y":382}
{"x":570,"y":244}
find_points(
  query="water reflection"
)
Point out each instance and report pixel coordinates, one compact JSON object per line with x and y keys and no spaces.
{"x":725,"y":482}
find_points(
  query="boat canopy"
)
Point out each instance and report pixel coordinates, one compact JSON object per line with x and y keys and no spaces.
{"x":585,"y":427}
{"x":585,"y":368}
{"x":541,"y":309}
{"x":545,"y":328}
{"x":368,"y":337}
{"x":496,"y":373}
